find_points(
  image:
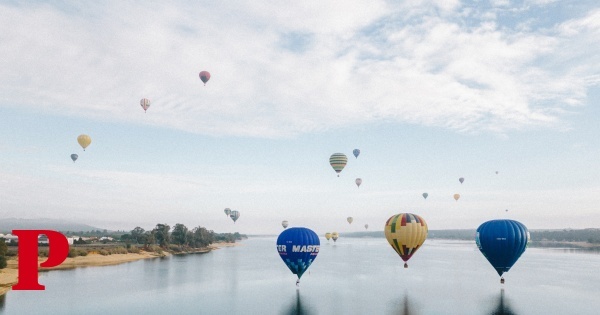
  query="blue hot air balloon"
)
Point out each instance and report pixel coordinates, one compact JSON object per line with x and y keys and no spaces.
{"x":356,"y":152}
{"x":502,"y":242}
{"x":74,"y":157}
{"x":298,"y":247}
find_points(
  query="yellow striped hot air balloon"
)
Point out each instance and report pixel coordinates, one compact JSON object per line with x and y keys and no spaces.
{"x":335,"y":236}
{"x":406,"y":232}
{"x":338,"y":162}
{"x":84,"y":141}
{"x":328,"y":236}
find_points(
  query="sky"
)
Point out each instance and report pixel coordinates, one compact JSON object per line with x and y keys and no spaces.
{"x":429,"y":91}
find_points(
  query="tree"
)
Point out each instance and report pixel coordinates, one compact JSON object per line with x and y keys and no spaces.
{"x":147,"y":238}
{"x":202,"y":237}
{"x":161,"y":234}
{"x":179,"y":234}
{"x":126,"y":238}
{"x":137,"y":235}
{"x":3,"y":251}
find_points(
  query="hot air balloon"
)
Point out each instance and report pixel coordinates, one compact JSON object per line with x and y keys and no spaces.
{"x":338,"y":162}
{"x":204,"y":76}
{"x":234,"y":215}
{"x":366,"y":226}
{"x":328,"y":236}
{"x":350,"y":219}
{"x":496,"y":172}
{"x":358,"y":181}
{"x":145,"y":103}
{"x":405,"y":232}
{"x":425,"y":195}
{"x":84,"y":141}
{"x":502,"y":242}
{"x":227,"y":211}
{"x":334,"y":236}
{"x":356,"y":152}
{"x":298,"y":247}
{"x":461,"y":180}
{"x":456,"y":196}
{"x":284,"y":223}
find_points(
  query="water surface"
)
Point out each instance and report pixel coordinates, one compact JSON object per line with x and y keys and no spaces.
{"x":352,"y":276}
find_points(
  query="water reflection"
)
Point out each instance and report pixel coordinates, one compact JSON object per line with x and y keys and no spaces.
{"x":503,"y":307}
{"x":404,"y":306}
{"x":2,"y":301}
{"x":297,"y":307}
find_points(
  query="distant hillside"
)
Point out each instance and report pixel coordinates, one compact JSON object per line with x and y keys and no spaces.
{"x":7,"y":225}
{"x":591,"y":236}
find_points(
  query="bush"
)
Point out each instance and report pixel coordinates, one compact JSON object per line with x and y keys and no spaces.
{"x":133,"y":250}
{"x":72,"y":253}
{"x":175,"y":248}
{"x":104,"y":252}
{"x":118,"y":250}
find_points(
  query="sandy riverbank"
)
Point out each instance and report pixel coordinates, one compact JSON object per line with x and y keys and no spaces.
{"x":8,"y":275}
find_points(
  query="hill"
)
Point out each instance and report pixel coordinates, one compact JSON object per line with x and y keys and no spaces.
{"x":539,"y":238}
{"x":9,"y":224}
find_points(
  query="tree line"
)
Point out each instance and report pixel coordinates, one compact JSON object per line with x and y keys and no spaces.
{"x":591,"y":236}
{"x":163,"y":236}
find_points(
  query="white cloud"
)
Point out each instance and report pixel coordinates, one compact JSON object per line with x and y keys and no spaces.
{"x":359,"y":62}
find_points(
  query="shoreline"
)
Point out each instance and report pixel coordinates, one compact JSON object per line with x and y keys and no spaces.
{"x":9,"y":275}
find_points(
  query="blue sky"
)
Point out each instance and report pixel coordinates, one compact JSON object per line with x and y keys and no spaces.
{"x":429,"y":91}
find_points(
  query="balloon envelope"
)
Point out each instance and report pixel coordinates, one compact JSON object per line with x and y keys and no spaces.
{"x":234,"y":215}
{"x":227,"y":211}
{"x":358,"y":181}
{"x":335,"y":236}
{"x":298,"y":247}
{"x":502,"y":242}
{"x":366,"y":226}
{"x":338,"y":162}
{"x":405,"y":232}
{"x":284,"y":223}
{"x":425,"y":195}
{"x":350,"y":219}
{"x":461,"y":180}
{"x":84,"y":141}
{"x":145,"y":103}
{"x":328,"y":235}
{"x":356,"y":152}
{"x":456,"y":196}
{"x":74,"y":157}
{"x":204,"y":76}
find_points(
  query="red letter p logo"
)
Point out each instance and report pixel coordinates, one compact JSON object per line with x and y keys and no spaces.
{"x":28,"y":256}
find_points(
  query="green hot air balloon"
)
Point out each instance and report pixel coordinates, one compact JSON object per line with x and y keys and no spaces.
{"x":338,"y":162}
{"x":234,"y":215}
{"x":425,"y":195}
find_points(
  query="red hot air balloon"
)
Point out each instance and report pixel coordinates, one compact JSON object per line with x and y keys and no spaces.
{"x":204,"y":76}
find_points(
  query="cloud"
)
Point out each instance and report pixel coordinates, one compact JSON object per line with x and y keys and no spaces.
{"x":279,"y":70}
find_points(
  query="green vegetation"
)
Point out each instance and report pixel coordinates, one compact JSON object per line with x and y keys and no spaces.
{"x":3,"y":252}
{"x":161,"y":238}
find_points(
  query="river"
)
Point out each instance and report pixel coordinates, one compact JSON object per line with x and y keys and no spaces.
{"x":352,"y":276}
